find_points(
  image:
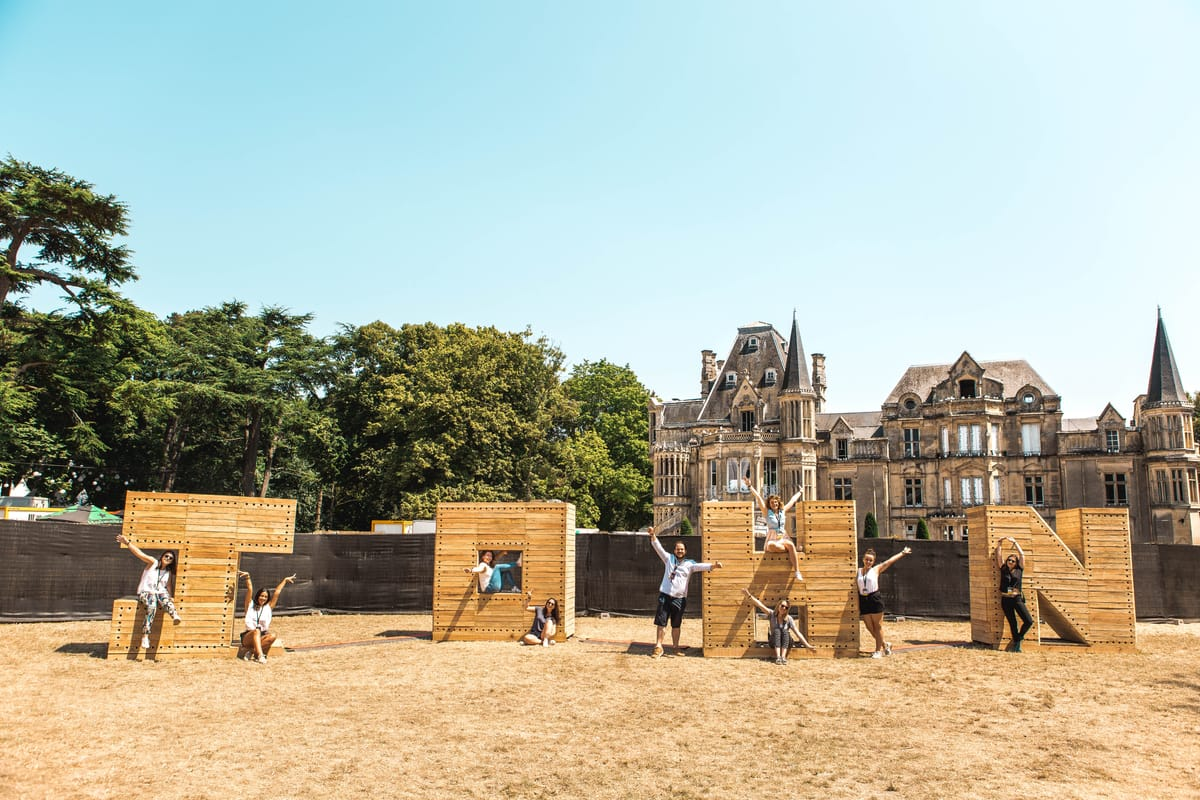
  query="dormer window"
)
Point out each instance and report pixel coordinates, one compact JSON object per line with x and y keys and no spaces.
{"x":966,"y":388}
{"x":769,"y":378}
{"x":752,"y":344}
{"x":730,"y":380}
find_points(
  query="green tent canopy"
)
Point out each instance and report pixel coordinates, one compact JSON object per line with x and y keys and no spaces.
{"x":92,"y":515}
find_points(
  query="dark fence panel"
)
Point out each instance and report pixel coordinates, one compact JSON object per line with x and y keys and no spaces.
{"x":931,"y":582}
{"x":621,"y":573}
{"x":61,"y":570}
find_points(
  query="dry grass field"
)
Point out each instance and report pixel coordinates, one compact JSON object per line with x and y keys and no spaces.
{"x":594,"y":717}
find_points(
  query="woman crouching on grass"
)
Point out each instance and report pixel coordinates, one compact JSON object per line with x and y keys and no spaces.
{"x":154,"y":588}
{"x":545,"y":622}
{"x":258,"y":638}
{"x":783,"y":626}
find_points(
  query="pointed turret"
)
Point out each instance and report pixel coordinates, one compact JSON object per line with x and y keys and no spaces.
{"x":1165,"y":387}
{"x":795,"y":372}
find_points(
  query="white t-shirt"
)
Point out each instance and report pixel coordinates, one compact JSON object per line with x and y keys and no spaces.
{"x":154,"y":580}
{"x":259,"y":617}
{"x":868,"y":583}
{"x":484,"y":571}
{"x":677,"y":573}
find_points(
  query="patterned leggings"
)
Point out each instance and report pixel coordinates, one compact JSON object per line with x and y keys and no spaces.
{"x":152,"y":600}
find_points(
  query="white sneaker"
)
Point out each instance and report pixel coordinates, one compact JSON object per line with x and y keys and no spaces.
{"x":145,"y":642}
{"x":545,"y":642}
{"x":887,"y":648}
{"x":799,"y":577}
{"x":262,"y":659}
{"x":877,"y":654}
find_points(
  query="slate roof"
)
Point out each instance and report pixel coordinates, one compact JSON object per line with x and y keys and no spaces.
{"x":864,"y":424}
{"x":795,"y":372}
{"x":768,"y":355}
{"x":1165,"y":384}
{"x":1012,"y":375}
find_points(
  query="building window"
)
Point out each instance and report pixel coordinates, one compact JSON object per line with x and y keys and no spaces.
{"x":910,"y":531}
{"x":1115,"y":491}
{"x":1193,"y":486}
{"x":736,"y":472}
{"x":912,"y":442}
{"x":947,"y":496}
{"x":810,"y":483}
{"x":964,"y":533}
{"x":1112,"y":441}
{"x":1178,"y":487}
{"x":843,"y":449}
{"x":996,"y":490}
{"x":1031,"y":438}
{"x":910,"y":404}
{"x":730,"y":380}
{"x":948,"y":533}
{"x":912,"y":492}
{"x":752,"y":344}
{"x":972,"y":491}
{"x":1034,"y":494}
{"x":653,"y":428}
{"x":994,"y":444}
{"x":945,"y":441}
{"x":770,"y":477}
{"x":1162,"y":486}
{"x":748,"y":420}
{"x":769,"y":378}
{"x":966,"y":388}
{"x":842,"y":489}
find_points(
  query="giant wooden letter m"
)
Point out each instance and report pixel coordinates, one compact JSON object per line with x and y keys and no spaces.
{"x":1079,"y":581}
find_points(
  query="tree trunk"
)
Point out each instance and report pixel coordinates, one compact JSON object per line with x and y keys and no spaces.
{"x":250,"y":453}
{"x":172,"y":453}
{"x":266,"y":481}
{"x":320,"y":497}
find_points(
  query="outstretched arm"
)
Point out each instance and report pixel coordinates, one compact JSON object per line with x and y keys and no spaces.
{"x":762,"y":504}
{"x":658,"y":548}
{"x":799,"y":494}
{"x":756,"y":601}
{"x":1000,"y":552}
{"x":1020,"y":552}
{"x":529,"y":604}
{"x":249,"y":589}
{"x":137,"y":551}
{"x":883,"y":567}
{"x":279,"y":589}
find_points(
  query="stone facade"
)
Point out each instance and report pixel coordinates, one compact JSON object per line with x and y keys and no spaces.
{"x":948,"y":437}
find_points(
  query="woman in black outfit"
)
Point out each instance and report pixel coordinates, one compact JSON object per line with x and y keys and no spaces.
{"x":1012,"y":600}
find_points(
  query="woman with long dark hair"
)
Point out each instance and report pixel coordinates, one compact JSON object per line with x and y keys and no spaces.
{"x":545,"y":622}
{"x":154,"y":589}
{"x":258,"y":636}
{"x":783,"y":627}
{"x":1012,"y":594}
{"x":870,"y":601}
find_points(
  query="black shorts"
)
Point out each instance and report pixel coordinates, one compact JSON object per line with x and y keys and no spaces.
{"x":870,"y":603}
{"x":247,"y":638}
{"x":669,"y":608}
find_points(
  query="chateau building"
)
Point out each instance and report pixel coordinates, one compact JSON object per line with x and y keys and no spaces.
{"x":947,"y":437}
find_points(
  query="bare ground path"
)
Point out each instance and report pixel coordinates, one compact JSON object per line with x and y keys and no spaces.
{"x":594,"y":717}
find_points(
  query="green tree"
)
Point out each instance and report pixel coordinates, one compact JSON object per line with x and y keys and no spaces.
{"x":54,"y":366}
{"x":870,"y":526}
{"x":70,"y":226}
{"x":435,"y":413}
{"x":685,"y":527}
{"x":611,"y":424}
{"x":922,"y":529}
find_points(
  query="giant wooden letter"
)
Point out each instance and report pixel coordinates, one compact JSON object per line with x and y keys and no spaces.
{"x":1078,"y":581}
{"x":544,"y":533}
{"x":826,"y":598}
{"x":210,"y":533}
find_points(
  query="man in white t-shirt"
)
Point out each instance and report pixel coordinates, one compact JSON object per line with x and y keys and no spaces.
{"x":672,"y":592}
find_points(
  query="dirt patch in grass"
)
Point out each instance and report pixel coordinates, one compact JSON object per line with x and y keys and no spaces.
{"x":396,"y":715}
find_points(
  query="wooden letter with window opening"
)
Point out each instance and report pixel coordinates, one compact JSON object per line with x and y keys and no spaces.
{"x":544,"y":534}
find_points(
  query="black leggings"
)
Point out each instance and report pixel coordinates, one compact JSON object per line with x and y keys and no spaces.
{"x":1014,"y":607}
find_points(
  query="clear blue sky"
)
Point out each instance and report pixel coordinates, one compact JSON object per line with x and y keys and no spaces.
{"x":634,"y":180}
